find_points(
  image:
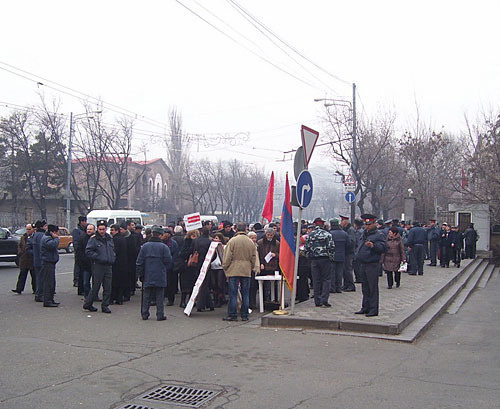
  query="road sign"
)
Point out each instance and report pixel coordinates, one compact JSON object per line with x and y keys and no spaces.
{"x":349,"y":188}
{"x":349,"y":180}
{"x":299,"y":163}
{"x":309,"y":139}
{"x":350,"y":197}
{"x":304,"y":189}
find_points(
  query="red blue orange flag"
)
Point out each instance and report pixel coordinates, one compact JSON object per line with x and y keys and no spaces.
{"x":287,"y":244}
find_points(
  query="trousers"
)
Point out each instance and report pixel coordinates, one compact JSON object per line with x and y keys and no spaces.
{"x":321,"y":271}
{"x":417,"y":259}
{"x":347,"y":273}
{"x":149,"y":294}
{"x":101,"y":275}
{"x":369,"y":285}
{"x":39,"y":282}
{"x":49,"y":283}
{"x":337,"y":275}
{"x":21,"y":280}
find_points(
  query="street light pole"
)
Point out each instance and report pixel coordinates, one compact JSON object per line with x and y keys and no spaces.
{"x":354,"y":163}
{"x":68,"y":175}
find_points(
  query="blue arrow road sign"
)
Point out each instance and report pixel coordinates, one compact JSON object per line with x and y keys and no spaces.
{"x":350,"y":197}
{"x":304,"y":189}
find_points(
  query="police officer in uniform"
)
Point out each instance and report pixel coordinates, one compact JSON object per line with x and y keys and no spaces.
{"x":370,"y":249}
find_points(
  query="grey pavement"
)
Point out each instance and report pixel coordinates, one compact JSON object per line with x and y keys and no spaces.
{"x":67,"y":358}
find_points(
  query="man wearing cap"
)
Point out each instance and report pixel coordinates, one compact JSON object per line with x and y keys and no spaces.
{"x":417,"y":239}
{"x":34,"y":248}
{"x":349,"y":254}
{"x":320,"y":249}
{"x":433,"y":239}
{"x":341,"y":241}
{"x":100,"y":250}
{"x":49,"y":256}
{"x":370,"y":250}
{"x":153,"y":261}
{"x":79,"y":231}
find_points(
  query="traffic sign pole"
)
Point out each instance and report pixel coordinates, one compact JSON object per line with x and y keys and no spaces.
{"x":296,"y":266}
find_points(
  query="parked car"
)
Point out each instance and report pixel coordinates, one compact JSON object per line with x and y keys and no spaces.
{"x":65,"y":238}
{"x":8,"y":246}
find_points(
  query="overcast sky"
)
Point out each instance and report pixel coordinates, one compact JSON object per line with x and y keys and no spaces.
{"x":149,"y":56}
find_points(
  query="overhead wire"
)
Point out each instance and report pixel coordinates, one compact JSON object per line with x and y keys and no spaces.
{"x":289,"y":45}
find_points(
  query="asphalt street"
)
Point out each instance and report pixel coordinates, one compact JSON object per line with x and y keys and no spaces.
{"x":65,"y":357}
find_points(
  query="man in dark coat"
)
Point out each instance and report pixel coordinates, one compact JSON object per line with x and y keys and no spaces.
{"x":153,"y":261}
{"x":49,"y":256}
{"x":416,"y":241}
{"x":471,"y":237}
{"x":79,"y":231}
{"x":350,"y":246}
{"x":25,"y":262}
{"x":445,"y":245}
{"x":370,"y":250}
{"x":358,"y":231}
{"x":259,"y":230}
{"x":340,"y":238}
{"x":456,"y":240}
{"x":81,"y":259}
{"x":119,"y":281}
{"x":202,"y":245}
{"x":100,"y":249}
{"x":34,"y":248}
{"x":433,"y":240}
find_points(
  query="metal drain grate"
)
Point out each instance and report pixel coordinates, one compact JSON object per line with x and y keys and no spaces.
{"x":134,"y":406}
{"x":179,"y":395}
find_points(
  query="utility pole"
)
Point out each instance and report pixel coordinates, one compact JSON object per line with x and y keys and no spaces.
{"x":354,"y":162}
{"x":68,"y":175}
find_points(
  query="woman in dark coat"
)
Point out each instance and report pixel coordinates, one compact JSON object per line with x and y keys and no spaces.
{"x":187,"y":274}
{"x":201,"y":245}
{"x":120,"y":277}
{"x":393,"y":257}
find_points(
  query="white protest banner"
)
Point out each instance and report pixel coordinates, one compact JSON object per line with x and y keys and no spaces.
{"x":192,"y":221}
{"x":201,"y":277}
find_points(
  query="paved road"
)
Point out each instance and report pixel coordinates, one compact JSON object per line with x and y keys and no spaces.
{"x":67,"y":358}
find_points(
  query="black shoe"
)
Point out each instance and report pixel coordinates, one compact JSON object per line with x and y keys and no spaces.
{"x":145,"y":317}
{"x":317,"y":305}
{"x":200,"y":309}
{"x":55,"y":302}
{"x":371,"y":314}
{"x":16,"y":291}
{"x":350,"y":290}
{"x":106,"y":310}
{"x":244,"y":318}
{"x":389,"y":287}
{"x":170,"y":303}
{"x":161,"y":318}
{"x":326,"y":305}
{"x":50,"y":304}
{"x":229,"y":319}
{"x":397,"y":285}
{"x":420,"y":274}
{"x":412,"y":274}
{"x":361,"y":312}
{"x":38,"y":299}
{"x":90,"y":308}
{"x":338,"y":291}
{"x":431,"y":265}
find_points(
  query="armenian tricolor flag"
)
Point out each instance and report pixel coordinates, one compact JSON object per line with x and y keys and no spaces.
{"x":287,"y":243}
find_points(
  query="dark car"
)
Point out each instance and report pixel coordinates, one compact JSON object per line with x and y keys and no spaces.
{"x":8,"y":246}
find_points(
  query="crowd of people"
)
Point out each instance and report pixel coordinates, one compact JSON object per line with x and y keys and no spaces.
{"x":165,"y":261}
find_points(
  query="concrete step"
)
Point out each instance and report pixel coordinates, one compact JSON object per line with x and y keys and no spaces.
{"x":486,"y":276}
{"x":496,"y":272}
{"x":469,"y":285}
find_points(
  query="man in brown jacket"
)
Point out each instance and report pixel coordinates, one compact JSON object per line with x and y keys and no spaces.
{"x":25,"y":262}
{"x":239,"y":261}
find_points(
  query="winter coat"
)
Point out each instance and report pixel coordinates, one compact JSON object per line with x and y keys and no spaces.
{"x":319,"y":243}
{"x":264,"y":246}
{"x":371,"y":254}
{"x":201,"y":245}
{"x":187,"y":275}
{"x":240,"y":258}
{"x":34,"y":247}
{"x":25,"y":258}
{"x":470,"y":236}
{"x":133,"y":247}
{"x":417,"y":235}
{"x":433,"y":233}
{"x":100,"y":249}
{"x":179,"y":239}
{"x":173,"y":247}
{"x":77,"y":233}
{"x":351,"y":243}
{"x":456,"y":238}
{"x":395,"y":254}
{"x":153,"y":261}
{"x":445,"y":240}
{"x":49,"y":249}
{"x":81,"y":259}
{"x":120,"y":275}
{"x":341,"y":240}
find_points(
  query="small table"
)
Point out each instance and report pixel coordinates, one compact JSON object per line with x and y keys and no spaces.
{"x":272,"y":279}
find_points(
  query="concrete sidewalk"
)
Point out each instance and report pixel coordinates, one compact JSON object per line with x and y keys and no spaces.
{"x":398,"y":306}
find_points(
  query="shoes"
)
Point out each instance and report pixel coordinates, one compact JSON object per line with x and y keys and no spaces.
{"x":182,"y":304}
{"x":16,"y":291}
{"x":326,"y":305}
{"x":371,"y":314}
{"x":317,"y":305}
{"x":361,"y":312}
{"x":75,"y":283}
{"x":106,"y":310}
{"x":145,"y":317}
{"x":170,"y":303}
{"x":200,"y":309}
{"x":50,"y":304}
{"x":244,"y":318}
{"x":38,"y":299}
{"x":229,"y":319}
{"x":338,"y":291}
{"x":350,"y":290}
{"x":431,"y":265}
{"x":412,"y":274}
{"x":90,"y":308}
{"x":55,"y":302}
{"x":397,"y":285}
{"x":389,"y":287}
{"x":420,"y":274}
{"x":125,"y":299}
{"x":163,"y":318}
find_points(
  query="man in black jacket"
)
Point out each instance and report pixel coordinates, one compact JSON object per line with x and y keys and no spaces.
{"x":100,"y":249}
{"x":120,"y":278}
{"x":349,"y":254}
{"x":49,"y":256}
{"x":417,"y":240}
{"x":82,"y":261}
{"x":79,"y":231}
{"x":370,"y":249}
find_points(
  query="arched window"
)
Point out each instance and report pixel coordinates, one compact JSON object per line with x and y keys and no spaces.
{"x":158,"y":185}
{"x":164,"y":190}
{"x":150,"y":186}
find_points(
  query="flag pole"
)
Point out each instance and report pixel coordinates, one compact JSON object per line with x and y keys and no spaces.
{"x":296,"y":266}
{"x":280,"y":310}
